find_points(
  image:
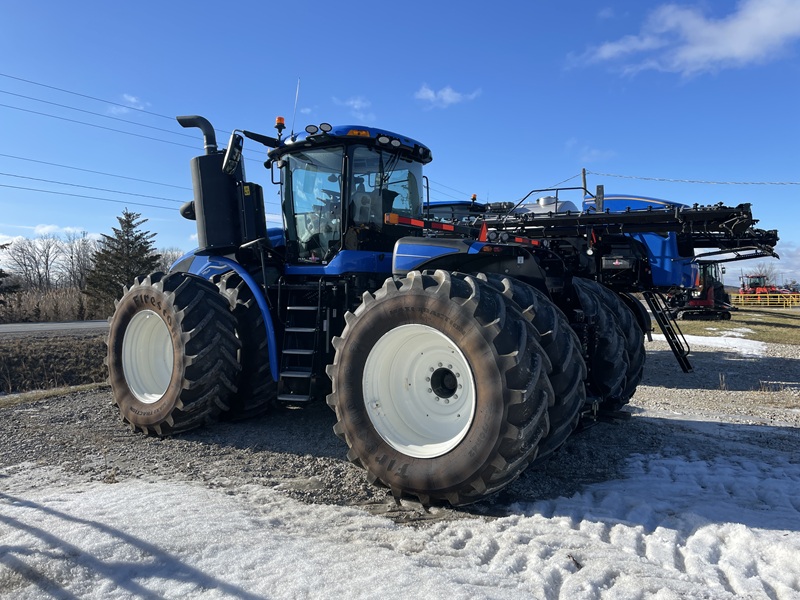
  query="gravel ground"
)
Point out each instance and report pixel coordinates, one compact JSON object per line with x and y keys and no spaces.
{"x":295,"y":451}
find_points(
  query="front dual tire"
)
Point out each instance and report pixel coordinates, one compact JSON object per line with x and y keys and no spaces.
{"x":440,"y":388}
{"x":172,"y":353}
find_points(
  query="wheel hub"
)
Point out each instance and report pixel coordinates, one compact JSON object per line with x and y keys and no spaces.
{"x":419,"y":391}
{"x":147,"y":356}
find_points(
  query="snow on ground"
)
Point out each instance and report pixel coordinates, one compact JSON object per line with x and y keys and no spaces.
{"x":732,"y":342}
{"x":714,"y":513}
{"x":672,"y":527}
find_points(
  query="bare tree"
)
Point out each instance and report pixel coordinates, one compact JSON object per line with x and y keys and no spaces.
{"x":77,"y":259}
{"x":768,"y":269}
{"x":168,"y":258}
{"x":35,"y":260}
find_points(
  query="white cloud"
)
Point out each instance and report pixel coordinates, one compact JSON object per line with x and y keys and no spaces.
{"x":606,"y":13}
{"x":54,"y":229}
{"x":132,"y":101}
{"x":586,"y":153}
{"x":7,"y":239}
{"x":44,"y":229}
{"x":359,"y":107}
{"x":789,"y":264}
{"x":680,"y":39}
{"x":445,"y":97}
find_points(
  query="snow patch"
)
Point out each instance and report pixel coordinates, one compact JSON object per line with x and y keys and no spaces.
{"x":732,"y":343}
{"x":672,"y":527}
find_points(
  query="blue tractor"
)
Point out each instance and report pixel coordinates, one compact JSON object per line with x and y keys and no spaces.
{"x":455,"y":352}
{"x":452,"y":362}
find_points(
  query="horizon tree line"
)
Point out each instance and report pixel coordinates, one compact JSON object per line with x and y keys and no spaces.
{"x":75,"y":276}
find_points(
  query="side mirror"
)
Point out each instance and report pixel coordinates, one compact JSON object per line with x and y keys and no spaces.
{"x":233,"y":155}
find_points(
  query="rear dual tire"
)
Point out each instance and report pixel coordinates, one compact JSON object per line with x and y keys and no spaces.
{"x":562,"y":346}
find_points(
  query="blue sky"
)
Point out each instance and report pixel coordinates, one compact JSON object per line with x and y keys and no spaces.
{"x":509,"y":96}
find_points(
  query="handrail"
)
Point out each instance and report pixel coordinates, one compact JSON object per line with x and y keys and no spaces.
{"x":766,"y":300}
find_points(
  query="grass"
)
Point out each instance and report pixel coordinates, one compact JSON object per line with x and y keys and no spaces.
{"x":42,"y":362}
{"x":773,"y":325}
{"x":36,"y":395}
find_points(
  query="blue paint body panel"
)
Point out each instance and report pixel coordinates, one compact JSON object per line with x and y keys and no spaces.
{"x":410,"y":254}
{"x":669,"y":268}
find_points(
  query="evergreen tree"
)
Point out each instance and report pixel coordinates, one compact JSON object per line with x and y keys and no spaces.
{"x":120,"y":258}
{"x":7,"y":284}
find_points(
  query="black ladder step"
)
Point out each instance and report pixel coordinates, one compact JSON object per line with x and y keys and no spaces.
{"x":299,"y":351}
{"x":297,"y":307}
{"x":293,"y":397}
{"x":296,"y":374}
{"x":300,"y":329}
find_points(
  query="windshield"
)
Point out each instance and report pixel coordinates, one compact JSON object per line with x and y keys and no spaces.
{"x":383,"y":182}
{"x":314,"y":220}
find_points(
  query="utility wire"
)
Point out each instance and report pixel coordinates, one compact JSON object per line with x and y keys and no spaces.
{"x":664,"y":179}
{"x":28,"y":189}
{"x":126,"y":106}
{"x":448,"y":188}
{"x":146,"y":137}
{"x":566,"y":180}
{"x":448,"y":195}
{"x":88,"y":187}
{"x":179,"y":187}
{"x":58,"y":89}
{"x":97,"y":114}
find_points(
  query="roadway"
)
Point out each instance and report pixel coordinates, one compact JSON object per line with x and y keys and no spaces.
{"x":62,"y":326}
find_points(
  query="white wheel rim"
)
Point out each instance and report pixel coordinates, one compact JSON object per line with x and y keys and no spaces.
{"x":147,"y":356}
{"x":419,"y":391}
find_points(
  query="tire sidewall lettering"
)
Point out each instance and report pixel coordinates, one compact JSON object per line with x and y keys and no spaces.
{"x":143,"y":298}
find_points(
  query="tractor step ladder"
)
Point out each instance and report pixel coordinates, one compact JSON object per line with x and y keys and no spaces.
{"x":303,"y":326}
{"x":669,"y":327}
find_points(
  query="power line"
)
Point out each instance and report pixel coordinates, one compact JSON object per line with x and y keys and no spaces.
{"x":88,"y":187}
{"x":664,"y":179}
{"x":179,"y":187}
{"x":448,"y":187}
{"x":566,"y":180}
{"x":28,"y":189}
{"x":146,"y":137}
{"x":97,"y":114}
{"x":80,"y":95}
{"x":448,"y":195}
{"x":58,"y":89}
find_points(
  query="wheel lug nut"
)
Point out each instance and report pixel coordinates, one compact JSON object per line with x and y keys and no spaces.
{"x":430,"y":391}
{"x":427,"y":379}
{"x":440,"y":364}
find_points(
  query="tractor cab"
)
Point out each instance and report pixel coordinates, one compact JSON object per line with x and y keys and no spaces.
{"x":336,"y":185}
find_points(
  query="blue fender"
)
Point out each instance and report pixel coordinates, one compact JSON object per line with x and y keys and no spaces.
{"x":208,"y":266}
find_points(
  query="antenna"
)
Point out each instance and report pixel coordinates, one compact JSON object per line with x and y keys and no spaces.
{"x":294,"y":113}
